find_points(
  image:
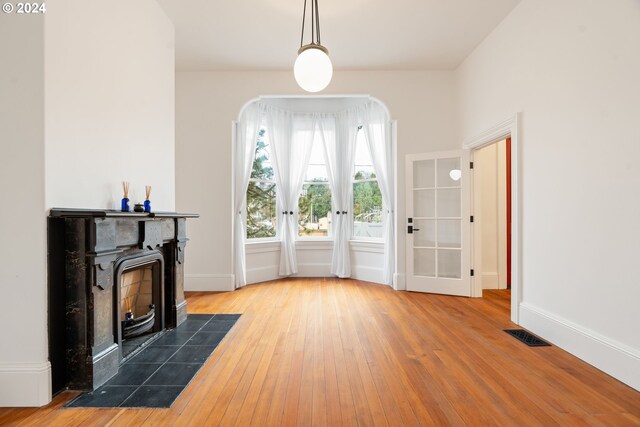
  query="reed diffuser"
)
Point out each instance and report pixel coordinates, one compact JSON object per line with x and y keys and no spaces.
{"x":124,"y":207}
{"x":147,"y":203}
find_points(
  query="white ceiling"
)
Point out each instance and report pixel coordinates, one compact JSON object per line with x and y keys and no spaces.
{"x":360,"y":34}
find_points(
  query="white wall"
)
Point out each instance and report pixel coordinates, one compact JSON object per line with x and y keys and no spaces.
{"x":207,"y":102}
{"x":24,"y":370}
{"x":110,"y":103}
{"x":87,"y":101}
{"x":571,"y":67}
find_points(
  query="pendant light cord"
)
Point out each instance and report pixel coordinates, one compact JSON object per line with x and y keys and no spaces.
{"x":304,"y":14}
{"x":315,"y":23}
{"x":313,"y":7}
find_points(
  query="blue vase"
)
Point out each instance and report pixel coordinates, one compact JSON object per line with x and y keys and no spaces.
{"x":124,"y":207}
{"x":147,"y":206}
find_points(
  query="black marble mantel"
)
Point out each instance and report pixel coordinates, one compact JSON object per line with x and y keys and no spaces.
{"x":85,"y":246}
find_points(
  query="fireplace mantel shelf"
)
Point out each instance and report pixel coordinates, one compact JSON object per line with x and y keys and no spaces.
{"x":110,"y":213}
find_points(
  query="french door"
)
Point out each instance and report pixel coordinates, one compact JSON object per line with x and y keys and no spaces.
{"x":438,"y":225}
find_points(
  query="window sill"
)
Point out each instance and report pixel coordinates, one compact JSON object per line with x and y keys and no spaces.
{"x":315,"y":244}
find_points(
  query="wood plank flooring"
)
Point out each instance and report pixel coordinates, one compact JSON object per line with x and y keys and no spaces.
{"x":316,"y":352}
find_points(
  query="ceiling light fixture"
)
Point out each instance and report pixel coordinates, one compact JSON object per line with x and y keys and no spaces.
{"x":313,"y":69}
{"x":455,"y":174}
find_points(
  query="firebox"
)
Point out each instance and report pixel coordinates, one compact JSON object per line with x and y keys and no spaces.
{"x":140,"y":301}
{"x":116,"y":282}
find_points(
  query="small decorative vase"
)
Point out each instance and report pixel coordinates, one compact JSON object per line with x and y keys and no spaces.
{"x":124,"y":207}
{"x":147,"y":206}
{"x":138,"y":207}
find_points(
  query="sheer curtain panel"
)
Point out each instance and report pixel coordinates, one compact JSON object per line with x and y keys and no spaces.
{"x":244,"y":152}
{"x":291,"y":139}
{"x":339,"y":138}
{"x":376,"y":127}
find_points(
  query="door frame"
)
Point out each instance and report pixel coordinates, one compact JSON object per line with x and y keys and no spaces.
{"x":509,"y":127}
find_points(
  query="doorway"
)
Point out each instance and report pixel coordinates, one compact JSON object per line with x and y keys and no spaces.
{"x":492,"y":213}
{"x":424,"y":245}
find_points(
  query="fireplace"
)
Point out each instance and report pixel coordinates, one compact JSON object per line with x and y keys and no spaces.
{"x":115,"y":284}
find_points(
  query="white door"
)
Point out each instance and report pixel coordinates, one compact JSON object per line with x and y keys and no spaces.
{"x":438,"y":225}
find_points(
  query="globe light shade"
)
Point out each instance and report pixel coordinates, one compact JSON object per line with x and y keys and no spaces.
{"x":313,"y":69}
{"x":455,"y":174}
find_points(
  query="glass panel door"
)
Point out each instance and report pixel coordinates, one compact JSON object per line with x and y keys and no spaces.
{"x":438,"y":229}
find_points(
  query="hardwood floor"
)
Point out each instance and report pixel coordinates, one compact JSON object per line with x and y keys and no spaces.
{"x":345,"y":353}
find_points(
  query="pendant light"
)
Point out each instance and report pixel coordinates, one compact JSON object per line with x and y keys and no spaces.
{"x":313,"y":69}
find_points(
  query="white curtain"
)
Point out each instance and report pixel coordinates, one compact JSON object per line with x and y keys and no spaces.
{"x":339,"y":137}
{"x":244,"y":153}
{"x":376,"y":127}
{"x":291,"y":138}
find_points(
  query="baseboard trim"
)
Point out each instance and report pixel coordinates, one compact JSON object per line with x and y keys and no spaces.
{"x":263,"y":274}
{"x":309,"y":269}
{"x":616,"y":359}
{"x":367,"y":274}
{"x":25,"y":384}
{"x":209,"y":282}
{"x":490,"y":280}
{"x":399,"y":282}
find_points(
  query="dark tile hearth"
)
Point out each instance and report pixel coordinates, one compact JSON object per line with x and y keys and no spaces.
{"x":156,"y":376}
{"x":104,"y":397}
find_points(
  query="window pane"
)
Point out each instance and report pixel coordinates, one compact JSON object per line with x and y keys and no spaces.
{"x":364,"y":172}
{"x":317,"y":170}
{"x":424,"y":262}
{"x":425,"y":233}
{"x":367,"y":210}
{"x":449,"y":233}
{"x":314,"y":210}
{"x":449,"y":202}
{"x":262,"y":168}
{"x":261,"y":210}
{"x":449,"y":173}
{"x":316,"y":173}
{"x":363,"y":165}
{"x":450,"y":264}
{"x":424,"y":203}
{"x":424,"y":174}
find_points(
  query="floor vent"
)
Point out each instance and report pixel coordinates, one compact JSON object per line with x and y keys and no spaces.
{"x":527,"y":338}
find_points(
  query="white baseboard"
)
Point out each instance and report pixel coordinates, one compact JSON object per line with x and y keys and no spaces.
{"x":368,"y":274}
{"x":616,"y":359}
{"x":490,"y":281}
{"x":399,"y":282}
{"x":313,"y":270}
{"x":209,"y":282}
{"x":25,"y":384}
{"x":262,"y":274}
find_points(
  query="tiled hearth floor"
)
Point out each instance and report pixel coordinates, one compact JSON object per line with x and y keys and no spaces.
{"x":156,"y":376}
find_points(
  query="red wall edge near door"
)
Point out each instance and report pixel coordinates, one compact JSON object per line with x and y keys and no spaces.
{"x":508,"y":153}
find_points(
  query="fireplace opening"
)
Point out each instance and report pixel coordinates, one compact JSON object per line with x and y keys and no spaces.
{"x":137,"y":311}
{"x":140,"y":302}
